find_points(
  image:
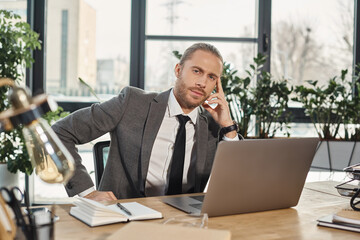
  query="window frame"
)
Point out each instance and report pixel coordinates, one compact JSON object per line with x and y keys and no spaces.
{"x":35,"y":77}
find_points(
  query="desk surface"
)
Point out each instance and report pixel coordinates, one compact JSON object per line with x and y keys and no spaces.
{"x":317,"y":199}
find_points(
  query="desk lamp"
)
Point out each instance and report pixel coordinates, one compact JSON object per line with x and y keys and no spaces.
{"x":52,"y":161}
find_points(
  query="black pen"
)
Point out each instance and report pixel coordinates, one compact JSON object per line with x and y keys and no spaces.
{"x":124,"y":209}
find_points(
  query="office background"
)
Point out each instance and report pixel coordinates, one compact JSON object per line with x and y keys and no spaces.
{"x":111,"y":44}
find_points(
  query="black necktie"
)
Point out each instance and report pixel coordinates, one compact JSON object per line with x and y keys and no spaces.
{"x":177,"y":162}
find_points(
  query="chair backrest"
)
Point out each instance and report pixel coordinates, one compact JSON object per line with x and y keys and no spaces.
{"x":100,"y":151}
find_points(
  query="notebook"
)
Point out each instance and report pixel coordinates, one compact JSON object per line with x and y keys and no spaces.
{"x":251,"y":176}
{"x":95,"y":214}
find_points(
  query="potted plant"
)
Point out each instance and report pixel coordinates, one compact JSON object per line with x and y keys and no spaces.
{"x":270,"y":100}
{"x":257,"y":96}
{"x":353,"y":110}
{"x":333,"y":110}
{"x":17,"y":41}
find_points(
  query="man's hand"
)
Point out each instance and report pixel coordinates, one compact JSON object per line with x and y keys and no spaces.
{"x":221,"y":113}
{"x":101,"y":196}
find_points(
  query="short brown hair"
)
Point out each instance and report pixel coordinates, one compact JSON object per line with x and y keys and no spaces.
{"x":200,"y":46}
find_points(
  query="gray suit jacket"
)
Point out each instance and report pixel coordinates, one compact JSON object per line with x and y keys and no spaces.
{"x":133,"y":119}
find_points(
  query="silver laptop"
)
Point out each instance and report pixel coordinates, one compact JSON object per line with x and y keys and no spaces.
{"x":251,"y":176}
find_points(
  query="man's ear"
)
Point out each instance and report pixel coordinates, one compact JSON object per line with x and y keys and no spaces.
{"x":177,"y":70}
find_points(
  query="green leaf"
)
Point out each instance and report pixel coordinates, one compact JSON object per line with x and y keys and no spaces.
{"x":90,"y":89}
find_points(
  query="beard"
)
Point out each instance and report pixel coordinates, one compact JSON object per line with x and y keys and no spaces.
{"x":181,"y":94}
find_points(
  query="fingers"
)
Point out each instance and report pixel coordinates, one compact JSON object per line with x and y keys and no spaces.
{"x":221,"y":113}
{"x":219,"y":88}
{"x":208,"y":108}
{"x":101,"y":196}
{"x":217,"y":98}
{"x":111,"y":195}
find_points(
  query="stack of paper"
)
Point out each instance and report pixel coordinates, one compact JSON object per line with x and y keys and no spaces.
{"x":346,"y":219}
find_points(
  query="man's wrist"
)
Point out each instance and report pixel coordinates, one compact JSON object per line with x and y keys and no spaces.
{"x":232,"y":128}
{"x":231,"y":135}
{"x":231,"y":138}
{"x":228,"y":124}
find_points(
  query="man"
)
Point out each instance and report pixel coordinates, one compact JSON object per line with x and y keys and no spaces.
{"x":143,"y":128}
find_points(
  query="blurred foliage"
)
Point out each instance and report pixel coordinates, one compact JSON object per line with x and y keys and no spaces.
{"x":332,"y":106}
{"x":53,"y":116}
{"x":17,"y":42}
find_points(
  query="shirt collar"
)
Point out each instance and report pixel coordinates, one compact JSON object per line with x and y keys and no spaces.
{"x":175,"y":108}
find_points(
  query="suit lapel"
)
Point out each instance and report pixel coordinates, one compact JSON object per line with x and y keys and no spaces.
{"x":154,"y":119}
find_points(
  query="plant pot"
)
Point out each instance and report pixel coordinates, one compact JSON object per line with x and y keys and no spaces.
{"x":336,"y":155}
{"x":8,"y":179}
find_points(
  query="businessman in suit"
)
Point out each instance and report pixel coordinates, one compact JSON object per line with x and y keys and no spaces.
{"x":143,"y":127}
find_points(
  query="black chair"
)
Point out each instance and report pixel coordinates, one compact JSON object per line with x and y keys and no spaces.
{"x":100,"y":151}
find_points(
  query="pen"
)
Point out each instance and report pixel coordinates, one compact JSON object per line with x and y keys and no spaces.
{"x":124,"y":209}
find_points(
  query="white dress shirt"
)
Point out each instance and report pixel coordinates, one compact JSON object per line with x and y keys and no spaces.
{"x":158,"y":172}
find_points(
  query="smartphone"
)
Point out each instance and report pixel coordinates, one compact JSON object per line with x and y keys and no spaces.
{"x":41,"y":209}
{"x":212,"y":105}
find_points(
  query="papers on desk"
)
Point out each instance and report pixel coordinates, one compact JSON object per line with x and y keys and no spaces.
{"x":95,"y":214}
{"x":346,"y":219}
{"x":347,"y":216}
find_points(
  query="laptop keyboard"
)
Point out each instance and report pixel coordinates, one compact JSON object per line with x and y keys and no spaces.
{"x":196,"y":205}
{"x":199,"y":198}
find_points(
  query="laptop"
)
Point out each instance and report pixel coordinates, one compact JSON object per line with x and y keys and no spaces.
{"x":251,"y":176}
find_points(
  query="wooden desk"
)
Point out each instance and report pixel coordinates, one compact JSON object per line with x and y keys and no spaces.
{"x":317,"y":199}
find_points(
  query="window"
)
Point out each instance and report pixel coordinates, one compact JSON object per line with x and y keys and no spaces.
{"x":18,"y":6}
{"x":175,"y":25}
{"x":160,"y":61}
{"x":227,"y":18}
{"x":311,"y":40}
{"x":87,"y":39}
